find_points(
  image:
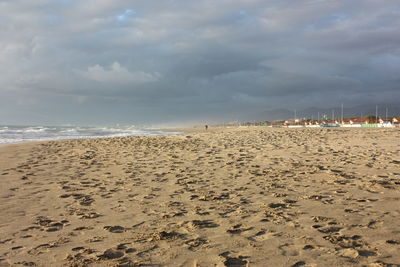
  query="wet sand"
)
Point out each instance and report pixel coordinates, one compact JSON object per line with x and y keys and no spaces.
{"x":225,"y":197}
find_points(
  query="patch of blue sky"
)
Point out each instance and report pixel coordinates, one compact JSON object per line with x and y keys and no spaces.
{"x":242,"y":17}
{"x":242,"y":14}
{"x":126,"y":15}
{"x":386,"y":60}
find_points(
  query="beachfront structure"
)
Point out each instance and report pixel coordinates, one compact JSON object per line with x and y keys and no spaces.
{"x":396,"y":121}
{"x":359,"y":121}
{"x":353,"y":122}
{"x":367,"y":121}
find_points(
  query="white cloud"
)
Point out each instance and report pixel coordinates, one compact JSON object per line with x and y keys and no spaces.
{"x":119,"y":74}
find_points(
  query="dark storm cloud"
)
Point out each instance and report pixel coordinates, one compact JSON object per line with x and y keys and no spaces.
{"x":107,"y":61}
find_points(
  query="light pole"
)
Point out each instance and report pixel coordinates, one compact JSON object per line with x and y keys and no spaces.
{"x":342,"y":113}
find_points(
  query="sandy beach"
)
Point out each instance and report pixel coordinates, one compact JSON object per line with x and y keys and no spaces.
{"x":225,"y":197}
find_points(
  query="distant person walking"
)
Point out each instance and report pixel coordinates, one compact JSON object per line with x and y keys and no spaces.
{"x":206,"y":127}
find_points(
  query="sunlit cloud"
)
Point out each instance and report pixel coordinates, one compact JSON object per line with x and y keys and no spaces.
{"x":118,"y":74}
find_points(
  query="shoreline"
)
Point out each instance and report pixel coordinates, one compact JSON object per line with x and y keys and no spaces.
{"x":190,"y":130}
{"x":249,"y":196}
{"x":166,"y":132}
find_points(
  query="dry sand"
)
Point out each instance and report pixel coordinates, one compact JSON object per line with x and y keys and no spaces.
{"x":232,"y":197}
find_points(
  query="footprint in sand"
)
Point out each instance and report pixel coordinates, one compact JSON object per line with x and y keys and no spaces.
{"x":165,"y":235}
{"x":238,"y":228}
{"x":201,"y":224}
{"x":49,"y":225}
{"x":298,"y":264}
{"x":111,"y":253}
{"x":262,"y":235}
{"x":230,"y":261}
{"x":195,"y":244}
{"x":115,"y":229}
{"x":96,"y":239}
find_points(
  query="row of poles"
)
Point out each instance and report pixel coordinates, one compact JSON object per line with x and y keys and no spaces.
{"x":333,"y":114}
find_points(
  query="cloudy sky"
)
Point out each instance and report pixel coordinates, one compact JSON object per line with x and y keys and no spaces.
{"x":122,"y":61}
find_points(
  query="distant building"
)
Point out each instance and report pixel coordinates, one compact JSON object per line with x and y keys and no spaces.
{"x":359,"y":121}
{"x":381,"y":120}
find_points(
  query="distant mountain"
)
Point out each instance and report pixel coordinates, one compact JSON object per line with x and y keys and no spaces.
{"x":312,"y":112}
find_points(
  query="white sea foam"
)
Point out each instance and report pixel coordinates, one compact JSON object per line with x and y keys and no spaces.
{"x":18,"y":134}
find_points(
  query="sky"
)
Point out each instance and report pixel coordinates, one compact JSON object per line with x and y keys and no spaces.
{"x":203,"y":61}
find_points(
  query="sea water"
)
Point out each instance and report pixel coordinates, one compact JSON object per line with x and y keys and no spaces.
{"x":18,"y":134}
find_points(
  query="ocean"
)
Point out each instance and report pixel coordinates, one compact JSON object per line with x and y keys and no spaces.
{"x":19,"y":134}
